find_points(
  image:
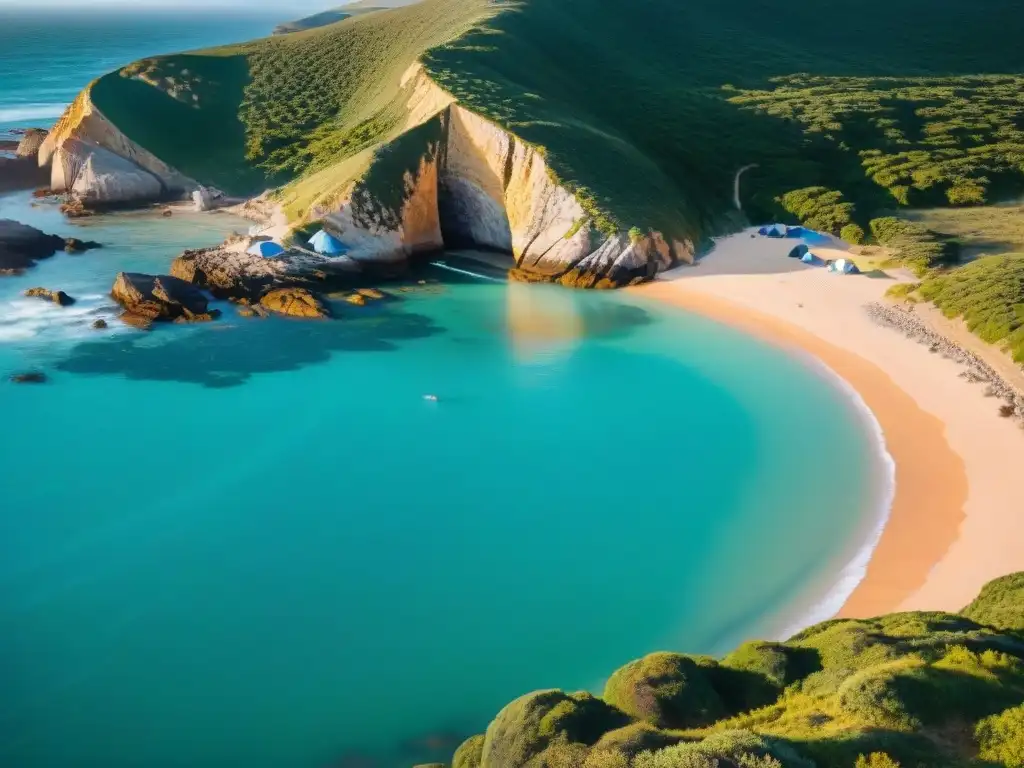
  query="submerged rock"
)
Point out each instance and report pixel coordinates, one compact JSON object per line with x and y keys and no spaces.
{"x":99,"y":324}
{"x":74,"y":245}
{"x":30,"y":377}
{"x":136,"y":321}
{"x":370,"y":293}
{"x":297,"y":302}
{"x":57,"y":297}
{"x":21,"y":246}
{"x":159,"y":297}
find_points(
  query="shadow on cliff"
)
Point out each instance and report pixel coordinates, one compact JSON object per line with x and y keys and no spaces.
{"x":226,"y":353}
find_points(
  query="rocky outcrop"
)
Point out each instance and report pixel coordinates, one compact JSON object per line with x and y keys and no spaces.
{"x":97,"y":177}
{"x":31,"y":140}
{"x":57,"y":297}
{"x":296,"y":302}
{"x":17,"y":173}
{"x":79,"y":148}
{"x":160,"y":297}
{"x":21,"y":246}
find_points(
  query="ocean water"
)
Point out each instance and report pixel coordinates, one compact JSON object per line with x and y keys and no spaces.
{"x":46,"y":57}
{"x":254,"y":542}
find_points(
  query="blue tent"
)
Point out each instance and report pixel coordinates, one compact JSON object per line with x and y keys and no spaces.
{"x":810,"y":258}
{"x":794,"y":231}
{"x":843,"y":267}
{"x":265,"y":248}
{"x":798,"y":252}
{"x":776,"y":230}
{"x":327,"y":244}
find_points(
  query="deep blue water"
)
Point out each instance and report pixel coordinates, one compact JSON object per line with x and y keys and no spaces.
{"x":253,"y":542}
{"x":46,"y":57}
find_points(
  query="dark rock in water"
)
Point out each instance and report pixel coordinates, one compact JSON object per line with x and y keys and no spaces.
{"x":57,"y":297}
{"x":297,"y":302}
{"x":21,"y":246}
{"x":31,"y":377}
{"x":75,"y":209}
{"x":74,"y":245}
{"x":167,"y":212}
{"x":99,"y":324}
{"x":158,"y":297}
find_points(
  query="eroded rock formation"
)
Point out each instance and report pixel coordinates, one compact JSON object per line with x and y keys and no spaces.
{"x":159,"y":297}
{"x":21,"y":246}
{"x":57,"y":297}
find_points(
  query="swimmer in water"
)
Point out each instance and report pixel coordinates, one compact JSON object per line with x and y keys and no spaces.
{"x":431,"y":398}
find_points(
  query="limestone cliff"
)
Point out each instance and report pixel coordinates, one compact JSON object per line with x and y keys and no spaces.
{"x":455,"y":179}
{"x":117,"y":169}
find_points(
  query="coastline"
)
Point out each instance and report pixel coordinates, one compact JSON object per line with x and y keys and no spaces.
{"x":952,"y":520}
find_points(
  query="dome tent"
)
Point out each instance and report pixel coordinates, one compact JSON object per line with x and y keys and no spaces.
{"x":772,"y":230}
{"x":323,"y":242}
{"x":265,"y":248}
{"x":810,"y":258}
{"x":843,"y":267}
{"x":798,"y":252}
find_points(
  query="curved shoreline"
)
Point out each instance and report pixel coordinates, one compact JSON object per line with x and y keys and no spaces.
{"x":914,"y":439}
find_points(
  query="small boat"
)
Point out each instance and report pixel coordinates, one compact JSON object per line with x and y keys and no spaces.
{"x":431,"y":398}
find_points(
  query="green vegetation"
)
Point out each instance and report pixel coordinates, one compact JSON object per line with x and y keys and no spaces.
{"x":999,"y":604}
{"x":919,"y":248}
{"x":989,"y":295}
{"x":983,"y":231}
{"x":910,"y":690}
{"x":647,"y":129}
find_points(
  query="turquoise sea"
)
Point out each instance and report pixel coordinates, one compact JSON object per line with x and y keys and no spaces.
{"x":254,"y":542}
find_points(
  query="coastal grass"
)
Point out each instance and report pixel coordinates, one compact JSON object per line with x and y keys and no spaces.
{"x":981,"y":231}
{"x":988,"y":294}
{"x":908,"y":689}
{"x":645,"y":115}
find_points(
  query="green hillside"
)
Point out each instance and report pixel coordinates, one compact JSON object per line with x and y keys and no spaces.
{"x":645,"y":109}
{"x":908,"y":690}
{"x":340,"y":13}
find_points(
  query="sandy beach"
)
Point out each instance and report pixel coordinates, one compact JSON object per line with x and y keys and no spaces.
{"x":956,"y":518}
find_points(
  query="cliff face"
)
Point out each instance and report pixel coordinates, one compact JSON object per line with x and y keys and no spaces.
{"x":464,"y":182}
{"x":90,"y":157}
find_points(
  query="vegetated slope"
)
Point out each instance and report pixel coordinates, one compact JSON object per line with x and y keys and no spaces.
{"x":923,"y":689}
{"x":988,"y":294}
{"x":646,"y":111}
{"x":340,"y":13}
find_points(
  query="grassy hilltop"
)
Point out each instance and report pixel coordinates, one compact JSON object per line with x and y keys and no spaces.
{"x":908,"y":690}
{"x":645,"y":109}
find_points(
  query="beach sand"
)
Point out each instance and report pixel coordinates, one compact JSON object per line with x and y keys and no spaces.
{"x":957,"y":518}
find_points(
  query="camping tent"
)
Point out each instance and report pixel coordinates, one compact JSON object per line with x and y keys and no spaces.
{"x":844,"y":267}
{"x":798,"y":252}
{"x":775,"y":230}
{"x":810,"y":258}
{"x":794,"y":231}
{"x":265,"y":248}
{"x":327,"y":244}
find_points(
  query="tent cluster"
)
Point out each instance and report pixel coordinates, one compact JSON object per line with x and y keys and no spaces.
{"x":841,"y":266}
{"x":781,"y":230}
{"x":322,"y":242}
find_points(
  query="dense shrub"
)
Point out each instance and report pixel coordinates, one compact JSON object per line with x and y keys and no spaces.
{"x":916,"y":246}
{"x":820,"y":209}
{"x":853,"y":234}
{"x":470,"y":753}
{"x":989,"y":295}
{"x":1001,"y":738}
{"x":669,"y":690}
{"x":1001,"y":602}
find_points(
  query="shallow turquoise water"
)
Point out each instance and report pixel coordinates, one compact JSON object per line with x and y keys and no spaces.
{"x":254,"y":543}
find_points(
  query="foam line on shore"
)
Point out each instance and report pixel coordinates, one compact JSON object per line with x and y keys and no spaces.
{"x":854,"y":571}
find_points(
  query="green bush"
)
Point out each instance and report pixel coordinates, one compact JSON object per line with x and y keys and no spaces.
{"x":853,"y":234}
{"x":669,"y":690}
{"x":916,"y":246}
{"x":876,"y":760}
{"x":820,"y":209}
{"x":1001,"y":738}
{"x":989,"y":295}
{"x":470,"y":753}
{"x":1001,"y":602}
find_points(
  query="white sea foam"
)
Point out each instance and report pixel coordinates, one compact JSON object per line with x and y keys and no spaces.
{"x":32,"y":318}
{"x":852,"y":574}
{"x":20,"y":112}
